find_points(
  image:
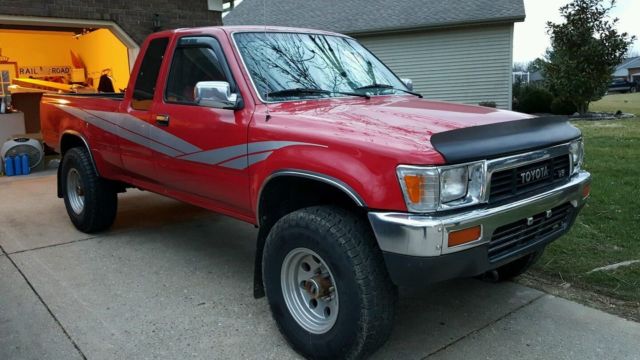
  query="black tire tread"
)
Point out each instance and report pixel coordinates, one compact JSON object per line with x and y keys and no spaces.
{"x":101,"y":198}
{"x":356,"y":238}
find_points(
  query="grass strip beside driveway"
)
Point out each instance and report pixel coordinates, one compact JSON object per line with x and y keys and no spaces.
{"x":627,"y":103}
{"x":608,"y":229}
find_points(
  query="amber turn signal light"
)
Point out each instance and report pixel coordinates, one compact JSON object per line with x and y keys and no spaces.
{"x":464,"y":236}
{"x":586,"y":190}
{"x":414,"y":187}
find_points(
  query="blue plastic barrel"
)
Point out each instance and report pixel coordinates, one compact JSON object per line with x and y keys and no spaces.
{"x":8,"y":166}
{"x":17,"y":165}
{"x":25,"y":164}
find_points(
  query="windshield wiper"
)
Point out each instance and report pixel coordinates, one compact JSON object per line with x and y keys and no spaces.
{"x":303,"y":91}
{"x":387,"y":86}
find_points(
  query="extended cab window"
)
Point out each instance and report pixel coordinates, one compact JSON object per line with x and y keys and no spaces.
{"x":194,"y":60}
{"x":148,"y":74}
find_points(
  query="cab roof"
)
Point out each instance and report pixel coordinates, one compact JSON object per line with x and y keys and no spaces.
{"x":250,"y":28}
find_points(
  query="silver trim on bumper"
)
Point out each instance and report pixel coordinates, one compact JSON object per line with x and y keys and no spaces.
{"x":426,"y":235}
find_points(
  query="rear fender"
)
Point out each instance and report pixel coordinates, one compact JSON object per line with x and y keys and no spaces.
{"x":68,"y":140}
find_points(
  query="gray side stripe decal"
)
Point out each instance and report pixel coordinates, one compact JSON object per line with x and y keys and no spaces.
{"x":135,"y":125}
{"x":217,"y":156}
{"x":129,"y":127}
{"x":246,"y":161}
{"x":271,"y":145}
{"x":116,"y":130}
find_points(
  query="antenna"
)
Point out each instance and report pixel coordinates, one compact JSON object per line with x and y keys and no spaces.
{"x":264,"y":20}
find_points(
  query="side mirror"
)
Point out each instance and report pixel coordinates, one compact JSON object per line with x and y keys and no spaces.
{"x":215,"y":94}
{"x":408,"y":83}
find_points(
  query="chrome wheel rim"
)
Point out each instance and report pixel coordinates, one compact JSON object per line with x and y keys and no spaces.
{"x":309,"y":290}
{"x":75,"y":191}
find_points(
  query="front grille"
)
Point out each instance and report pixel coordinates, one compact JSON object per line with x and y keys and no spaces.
{"x":513,"y":182}
{"x":510,"y":238}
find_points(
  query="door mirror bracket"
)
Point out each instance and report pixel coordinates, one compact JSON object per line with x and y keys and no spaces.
{"x":408,"y":83}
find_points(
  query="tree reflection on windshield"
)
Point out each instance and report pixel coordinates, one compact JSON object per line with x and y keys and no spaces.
{"x":283,"y":61}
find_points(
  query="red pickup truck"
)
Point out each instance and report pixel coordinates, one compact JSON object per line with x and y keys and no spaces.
{"x":357,"y":184}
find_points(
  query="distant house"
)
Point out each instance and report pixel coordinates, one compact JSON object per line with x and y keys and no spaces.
{"x":536,"y":77}
{"x":456,"y":50}
{"x":628,"y":70}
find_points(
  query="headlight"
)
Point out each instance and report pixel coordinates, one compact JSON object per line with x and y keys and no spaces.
{"x":453,"y":183}
{"x":429,"y":189}
{"x":576,"y":149}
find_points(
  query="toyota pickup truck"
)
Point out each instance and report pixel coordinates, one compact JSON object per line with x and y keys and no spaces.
{"x":357,"y":184}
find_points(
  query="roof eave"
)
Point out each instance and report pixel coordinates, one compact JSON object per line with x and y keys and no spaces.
{"x":461,"y":24}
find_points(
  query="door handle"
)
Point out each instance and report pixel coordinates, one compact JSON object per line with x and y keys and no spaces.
{"x":162,"y":120}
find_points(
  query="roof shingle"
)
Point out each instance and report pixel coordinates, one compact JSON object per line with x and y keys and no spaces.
{"x":623,"y":69}
{"x":369,"y":16}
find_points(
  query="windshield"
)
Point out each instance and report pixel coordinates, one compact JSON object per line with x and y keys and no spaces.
{"x":284,"y":66}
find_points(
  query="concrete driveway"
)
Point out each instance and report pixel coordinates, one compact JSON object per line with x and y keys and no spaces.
{"x":171,"y":281}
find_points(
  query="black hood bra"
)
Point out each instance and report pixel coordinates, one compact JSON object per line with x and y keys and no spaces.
{"x":503,"y":139}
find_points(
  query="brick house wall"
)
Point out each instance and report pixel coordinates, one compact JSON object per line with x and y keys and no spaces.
{"x":133,"y":16}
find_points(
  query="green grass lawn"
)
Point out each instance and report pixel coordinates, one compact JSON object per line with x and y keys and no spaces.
{"x":608,"y":229}
{"x":627,"y":103}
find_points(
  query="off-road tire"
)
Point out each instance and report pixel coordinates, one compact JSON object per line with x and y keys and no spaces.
{"x":100,"y":196}
{"x":367,"y":296}
{"x":518,"y":267}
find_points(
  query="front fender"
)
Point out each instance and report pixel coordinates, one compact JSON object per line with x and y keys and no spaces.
{"x":369,"y":180}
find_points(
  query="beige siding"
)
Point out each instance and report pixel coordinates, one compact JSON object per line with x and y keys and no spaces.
{"x":466,"y":65}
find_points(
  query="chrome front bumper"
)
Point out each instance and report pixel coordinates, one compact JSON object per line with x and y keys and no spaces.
{"x":427,"y":235}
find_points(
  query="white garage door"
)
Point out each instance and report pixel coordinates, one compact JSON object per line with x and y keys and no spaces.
{"x":466,"y":65}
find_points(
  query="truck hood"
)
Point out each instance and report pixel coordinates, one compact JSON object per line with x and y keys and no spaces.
{"x":391,"y":123}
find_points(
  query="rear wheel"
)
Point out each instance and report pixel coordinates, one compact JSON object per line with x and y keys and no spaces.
{"x":91,"y":201}
{"x":327,"y":285}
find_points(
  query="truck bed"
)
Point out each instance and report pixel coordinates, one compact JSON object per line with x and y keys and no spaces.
{"x":56,"y":110}
{"x":117,"y":96}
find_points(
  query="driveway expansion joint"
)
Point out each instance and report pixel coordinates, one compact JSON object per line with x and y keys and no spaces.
{"x":55,"y":319}
{"x":486,"y":326}
{"x":50,"y":246}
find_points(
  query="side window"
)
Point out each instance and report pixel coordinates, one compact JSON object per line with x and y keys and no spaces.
{"x":189,"y":66}
{"x":194,"y":60}
{"x":148,"y":74}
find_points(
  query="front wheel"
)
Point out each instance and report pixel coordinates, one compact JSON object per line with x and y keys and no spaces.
{"x":327,"y":285}
{"x":91,"y":202}
{"x":517,"y":267}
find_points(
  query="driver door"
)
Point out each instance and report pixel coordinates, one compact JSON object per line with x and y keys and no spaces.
{"x":213,"y":137}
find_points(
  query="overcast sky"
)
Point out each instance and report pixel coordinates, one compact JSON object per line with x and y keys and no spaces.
{"x":531,"y":39}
